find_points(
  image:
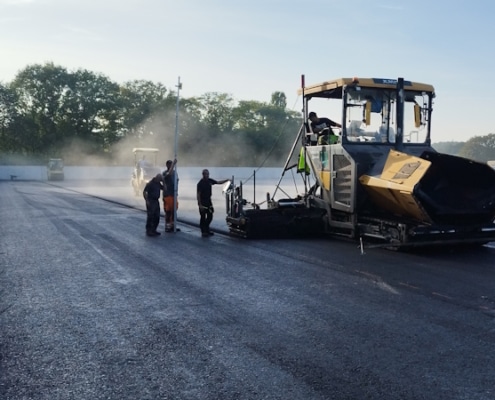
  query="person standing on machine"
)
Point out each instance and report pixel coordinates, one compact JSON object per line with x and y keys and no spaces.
{"x":323,"y":128}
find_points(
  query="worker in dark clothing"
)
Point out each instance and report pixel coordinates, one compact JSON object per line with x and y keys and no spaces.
{"x":204,"y":202}
{"x":151,"y":194}
{"x":322,"y":126}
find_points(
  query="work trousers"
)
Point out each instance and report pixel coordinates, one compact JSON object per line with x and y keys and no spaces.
{"x":206,"y":214}
{"x":168,"y":206}
{"x":153,"y":215}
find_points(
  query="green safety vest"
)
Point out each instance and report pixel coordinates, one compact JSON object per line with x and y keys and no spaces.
{"x":302,"y":166}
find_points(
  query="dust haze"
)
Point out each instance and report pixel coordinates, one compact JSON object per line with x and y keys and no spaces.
{"x":194,"y":148}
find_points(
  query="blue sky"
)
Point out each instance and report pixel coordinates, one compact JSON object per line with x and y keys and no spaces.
{"x":251,"y":49}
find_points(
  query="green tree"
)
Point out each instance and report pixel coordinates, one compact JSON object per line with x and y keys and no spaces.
{"x":479,"y":148}
{"x":279,"y":100}
{"x":47,"y":108}
{"x":8,"y":116}
{"x":91,"y":111}
{"x":144,"y":107}
{"x":38,"y":93}
{"x":216,"y":112}
{"x":266,"y":130}
{"x":452,"y":148}
{"x":193,"y":131}
{"x":209,"y":123}
{"x":58,"y":107}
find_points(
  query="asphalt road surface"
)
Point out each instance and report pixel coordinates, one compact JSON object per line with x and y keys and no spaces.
{"x":91,"y":308}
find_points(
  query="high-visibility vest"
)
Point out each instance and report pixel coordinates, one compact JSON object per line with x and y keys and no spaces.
{"x":302,"y":166}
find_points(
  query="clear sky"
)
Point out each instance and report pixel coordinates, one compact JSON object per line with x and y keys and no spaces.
{"x":251,"y":49}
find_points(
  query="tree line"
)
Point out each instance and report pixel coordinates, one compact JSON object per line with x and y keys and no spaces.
{"x":478,"y":148}
{"x":48,"y":111}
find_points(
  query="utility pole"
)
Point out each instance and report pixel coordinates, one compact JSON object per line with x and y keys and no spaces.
{"x":179,"y":87}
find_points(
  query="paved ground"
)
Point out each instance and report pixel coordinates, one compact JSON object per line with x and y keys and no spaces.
{"x":91,"y":308}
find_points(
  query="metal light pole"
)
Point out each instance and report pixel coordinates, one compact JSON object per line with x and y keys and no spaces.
{"x":179,"y":87}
